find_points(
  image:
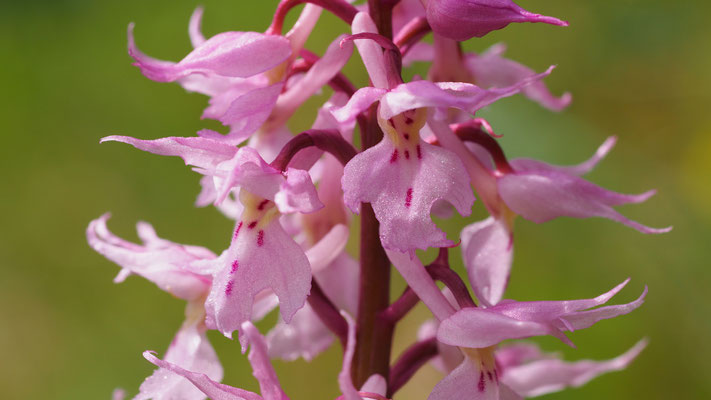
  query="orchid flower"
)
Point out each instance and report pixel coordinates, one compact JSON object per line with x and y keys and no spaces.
{"x":403,"y":176}
{"x":262,"y":369}
{"x":535,"y":190}
{"x":526,"y":370}
{"x":261,"y":254}
{"x":488,"y":69}
{"x":168,"y":265}
{"x":484,"y":327}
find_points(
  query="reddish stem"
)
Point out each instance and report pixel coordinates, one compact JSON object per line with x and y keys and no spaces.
{"x":409,"y":362}
{"x":412,"y":33}
{"x":400,"y":307}
{"x":473,"y":132}
{"x":339,"y":8}
{"x":327,"y":140}
{"x":328,"y":313}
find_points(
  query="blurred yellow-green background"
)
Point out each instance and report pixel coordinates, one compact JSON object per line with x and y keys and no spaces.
{"x":638,"y":69}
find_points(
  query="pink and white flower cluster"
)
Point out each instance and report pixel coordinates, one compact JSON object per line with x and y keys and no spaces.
{"x":292,"y":198}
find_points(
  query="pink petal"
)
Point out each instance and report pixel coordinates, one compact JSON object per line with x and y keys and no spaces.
{"x":402,"y":190}
{"x":233,"y":54}
{"x":540,"y":196}
{"x":404,"y":12}
{"x":550,"y":310}
{"x":258,"y":258}
{"x":468,"y":381}
{"x":196,"y":37}
{"x":370,"y":52}
{"x":339,"y":280}
{"x":215,"y":390}
{"x":304,"y":337}
{"x":302,"y":28}
{"x":463,"y":19}
{"x":261,"y":366}
{"x":165,"y":264}
{"x":487,"y":252}
{"x":344,"y":377}
{"x":224,"y":91}
{"x":118,"y":394}
{"x":247,"y":113}
{"x":516,"y":354}
{"x":297,"y":193}
{"x":294,"y":192}
{"x":585,"y":319}
{"x":551,"y":375}
{"x":359,"y":102}
{"x":464,"y":96}
{"x":420,"y":52}
{"x":191,"y":350}
{"x":479,"y":328}
{"x":375,"y":384}
{"x":200,"y":152}
{"x":328,"y":249}
{"x":412,"y":270}
{"x":230,"y":207}
{"x":448,"y":357}
{"x":530,"y":165}
{"x":318,"y":75}
{"x":492,"y":70}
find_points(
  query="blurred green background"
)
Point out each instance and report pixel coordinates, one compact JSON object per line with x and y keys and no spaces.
{"x":637,"y":68}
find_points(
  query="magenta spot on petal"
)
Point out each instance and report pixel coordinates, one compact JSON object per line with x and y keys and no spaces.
{"x":228,"y":289}
{"x":237,"y":230}
{"x":408,"y":198}
{"x":419,"y":152}
{"x":260,"y":239}
{"x":262,"y":204}
{"x":252,"y":225}
{"x":391,"y":122}
{"x":393,"y":157}
{"x":406,"y":136}
{"x":409,"y":120}
{"x":407,"y":154}
{"x":491,"y":377}
{"x":235,"y":265}
{"x":482,"y":384}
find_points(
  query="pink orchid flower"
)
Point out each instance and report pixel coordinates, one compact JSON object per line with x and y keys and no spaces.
{"x":403,"y":176}
{"x":168,"y":265}
{"x":261,"y":254}
{"x":262,"y":369}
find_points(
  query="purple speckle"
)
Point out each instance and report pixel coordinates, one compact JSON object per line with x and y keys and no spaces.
{"x":491,"y":377}
{"x":394,"y":156}
{"x":260,"y":238}
{"x":406,"y":136}
{"x":409,"y":120}
{"x":262,"y":205}
{"x":419,"y":152}
{"x":407,"y":154}
{"x":228,"y":289}
{"x":482,"y":385}
{"x":252,"y":225}
{"x":237,"y":230}
{"x":235,"y":266}
{"x":408,"y":198}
